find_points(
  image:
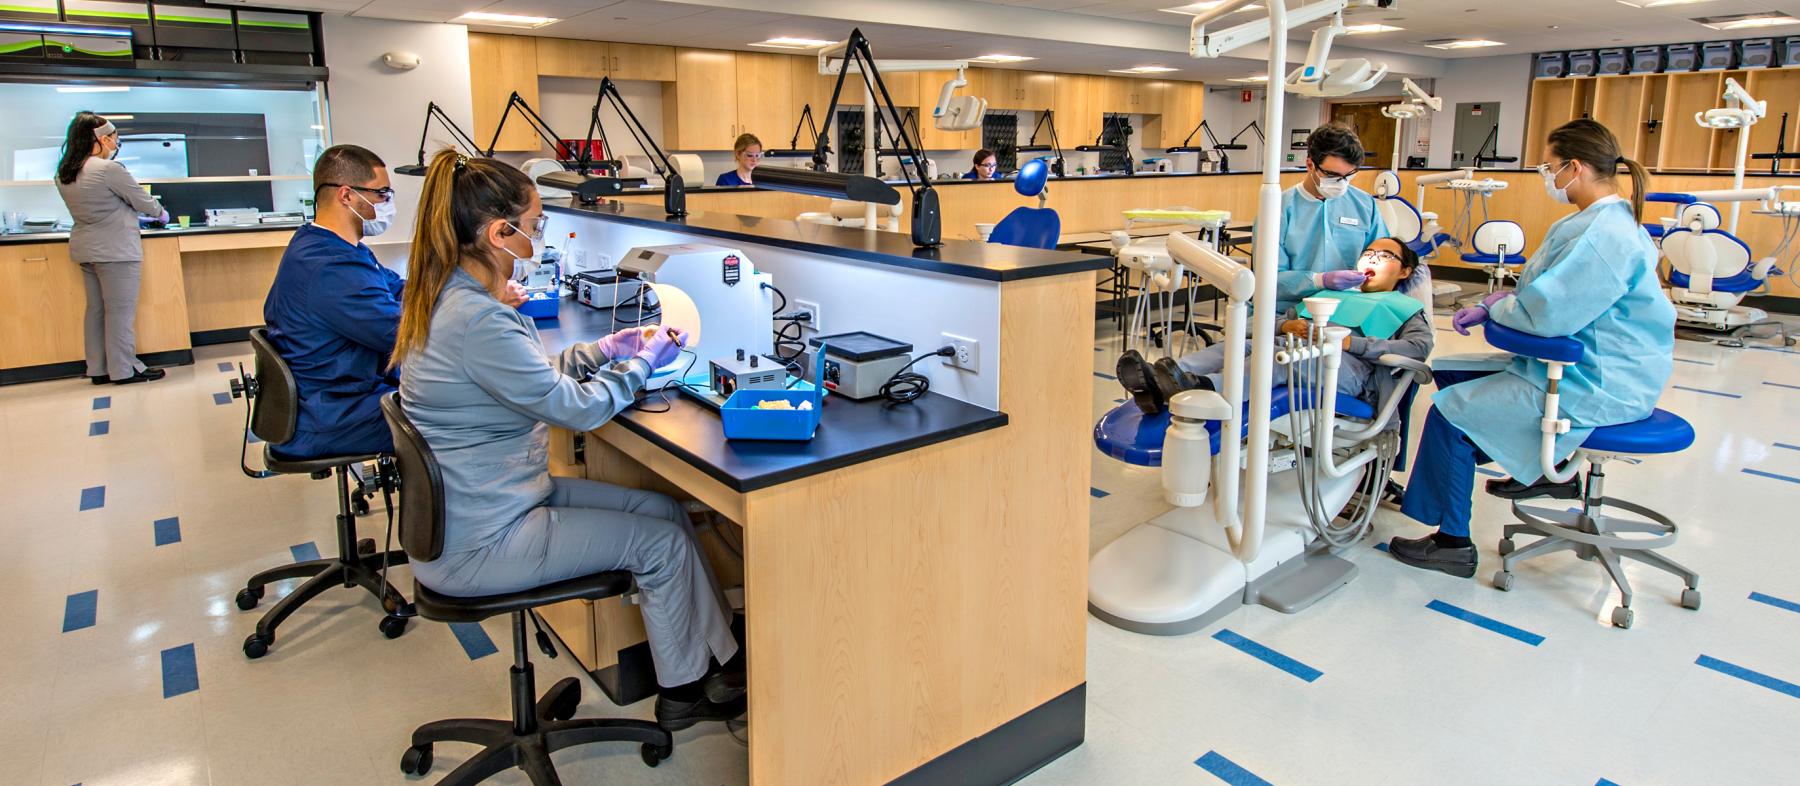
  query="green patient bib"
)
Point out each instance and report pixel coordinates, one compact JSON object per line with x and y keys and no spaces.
{"x":1375,"y":314}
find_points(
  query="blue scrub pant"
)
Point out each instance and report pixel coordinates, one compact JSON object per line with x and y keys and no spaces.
{"x":1440,"y":492}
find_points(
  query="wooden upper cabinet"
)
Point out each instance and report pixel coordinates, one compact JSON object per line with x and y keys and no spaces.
{"x":643,"y":62}
{"x":1183,"y":105}
{"x":1000,"y":87}
{"x":807,"y":87}
{"x":1114,"y":94}
{"x":700,"y":108}
{"x":500,"y":65}
{"x":765,"y":97}
{"x":1077,"y":110}
{"x":1152,"y":96}
{"x":1037,"y":91}
{"x":571,"y":58}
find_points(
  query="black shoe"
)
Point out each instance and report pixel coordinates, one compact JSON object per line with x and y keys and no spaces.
{"x":100,"y":380}
{"x":1138,"y":378}
{"x":147,"y":375}
{"x":1175,"y":379}
{"x":675,"y":715}
{"x":1510,"y":488}
{"x":1426,"y":553}
{"x":724,"y":687}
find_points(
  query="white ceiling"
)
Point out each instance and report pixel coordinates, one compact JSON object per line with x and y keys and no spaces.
{"x":1083,"y":35}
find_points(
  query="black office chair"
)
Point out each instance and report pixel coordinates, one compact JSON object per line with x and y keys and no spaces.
{"x":272,"y":411}
{"x":539,"y":726}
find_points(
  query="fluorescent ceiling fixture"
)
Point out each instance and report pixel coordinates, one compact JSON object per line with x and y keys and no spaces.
{"x":1660,"y":3}
{"x":1251,"y":79}
{"x":1466,"y":43}
{"x":118,"y":117}
{"x":1747,"y":21}
{"x":95,"y":89}
{"x":1196,"y":9}
{"x":789,"y":42}
{"x":1371,"y":27}
{"x":1000,"y":59}
{"x":1149,"y":69}
{"x":505,"y":20}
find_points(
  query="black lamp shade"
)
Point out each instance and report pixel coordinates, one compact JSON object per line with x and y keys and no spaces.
{"x":858,"y":188}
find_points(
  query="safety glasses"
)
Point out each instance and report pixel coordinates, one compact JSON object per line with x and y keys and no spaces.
{"x":385,"y":194}
{"x":537,"y":227}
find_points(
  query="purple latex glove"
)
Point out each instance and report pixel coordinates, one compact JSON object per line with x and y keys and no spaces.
{"x":1342,"y":279}
{"x":621,"y":345}
{"x":1469,"y":317}
{"x":1490,"y":300}
{"x":662,"y":347}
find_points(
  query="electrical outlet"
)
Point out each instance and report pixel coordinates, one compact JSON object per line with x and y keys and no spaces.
{"x":603,"y":262}
{"x":817,"y":324}
{"x":968,"y":353}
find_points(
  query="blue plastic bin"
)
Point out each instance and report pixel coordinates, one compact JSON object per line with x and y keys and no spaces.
{"x":742,"y":420}
{"x":542,"y":306}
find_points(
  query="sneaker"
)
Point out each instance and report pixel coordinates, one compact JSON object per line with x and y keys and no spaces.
{"x":1426,"y":553}
{"x":1510,"y":488}
{"x":675,"y":715}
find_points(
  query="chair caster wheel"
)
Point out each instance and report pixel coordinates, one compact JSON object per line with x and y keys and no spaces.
{"x":416,"y":760}
{"x":565,"y":705}
{"x":1690,"y":599}
{"x":1506,"y":547}
{"x":248,"y":597}
{"x":1503,"y":580}
{"x":365,"y":547}
{"x":257,"y":645}
{"x":359,"y":505}
{"x":1621,"y":617}
{"x":392,"y":626}
{"x":655,"y":754}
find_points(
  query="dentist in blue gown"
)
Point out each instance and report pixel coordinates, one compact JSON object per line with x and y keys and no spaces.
{"x":1594,"y":279}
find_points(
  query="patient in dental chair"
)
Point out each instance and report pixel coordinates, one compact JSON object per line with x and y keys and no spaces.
{"x":1382,"y":316}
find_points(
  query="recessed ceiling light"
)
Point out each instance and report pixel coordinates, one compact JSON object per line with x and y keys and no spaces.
{"x":1465,"y":43}
{"x":1196,"y":9}
{"x":1143,"y":69}
{"x":1370,"y":28}
{"x":505,"y":20}
{"x":95,"y":89}
{"x":1660,"y":3}
{"x":1747,"y":21}
{"x":789,"y":42}
{"x":1251,"y":79}
{"x":119,"y":117}
{"x":1000,"y":59}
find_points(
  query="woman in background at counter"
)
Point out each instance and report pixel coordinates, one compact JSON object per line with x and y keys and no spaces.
{"x":748,"y":152}
{"x":480,"y":390}
{"x":986,"y":164}
{"x":105,"y":201}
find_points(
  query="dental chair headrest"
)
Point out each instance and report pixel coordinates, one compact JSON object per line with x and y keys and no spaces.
{"x":1032,"y":178}
{"x":1690,"y":251}
{"x":1387,"y":183}
{"x":1704,"y":212}
{"x":1490,"y":236}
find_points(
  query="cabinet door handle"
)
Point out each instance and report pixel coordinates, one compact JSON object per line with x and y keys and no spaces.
{"x":615,"y":63}
{"x":37,"y":259}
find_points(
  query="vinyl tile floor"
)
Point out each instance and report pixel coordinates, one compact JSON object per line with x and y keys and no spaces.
{"x":129,"y":528}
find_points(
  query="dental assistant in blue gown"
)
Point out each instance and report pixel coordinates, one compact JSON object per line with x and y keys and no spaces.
{"x":1593,"y":279}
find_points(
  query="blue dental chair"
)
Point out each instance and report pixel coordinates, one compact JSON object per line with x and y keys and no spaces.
{"x":1419,"y":231}
{"x":1589,"y":532}
{"x":1498,"y":246}
{"x":1030,"y":227}
{"x":1710,"y":272}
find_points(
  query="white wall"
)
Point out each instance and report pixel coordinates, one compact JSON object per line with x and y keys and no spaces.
{"x":384,"y":110}
{"x":1505,"y":79}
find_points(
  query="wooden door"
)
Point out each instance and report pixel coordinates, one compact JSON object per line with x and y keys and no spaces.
{"x":500,"y":65}
{"x":765,"y":97}
{"x":1375,"y":129}
{"x":643,"y":62}
{"x":700,"y":110}
{"x":571,"y":58}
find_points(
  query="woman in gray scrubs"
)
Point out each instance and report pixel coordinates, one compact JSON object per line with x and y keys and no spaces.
{"x":105,"y":201}
{"x":479,"y":387}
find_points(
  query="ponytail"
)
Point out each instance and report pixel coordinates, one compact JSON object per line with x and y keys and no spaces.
{"x":462,"y":196}
{"x":1593,"y":144}
{"x":78,"y":145}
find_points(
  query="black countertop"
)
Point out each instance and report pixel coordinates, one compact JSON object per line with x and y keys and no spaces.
{"x":63,"y":237}
{"x":968,"y":259}
{"x":850,"y":432}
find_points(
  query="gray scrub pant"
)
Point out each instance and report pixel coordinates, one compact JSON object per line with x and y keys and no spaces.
{"x":110,"y":324}
{"x":589,"y":527}
{"x":1353,"y":373}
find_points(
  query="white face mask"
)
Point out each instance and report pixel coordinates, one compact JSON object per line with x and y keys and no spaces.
{"x":523,"y":267}
{"x":1559,"y":195}
{"x":384,"y":216}
{"x":1332,"y":187}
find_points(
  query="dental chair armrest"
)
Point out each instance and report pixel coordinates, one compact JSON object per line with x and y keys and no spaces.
{"x":1556,"y":349}
{"x":1421,"y":373}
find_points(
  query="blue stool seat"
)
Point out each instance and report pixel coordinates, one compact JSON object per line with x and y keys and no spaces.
{"x":1662,"y":432}
{"x":1127,"y":434}
{"x":1493,"y":259}
{"x":1744,"y":281}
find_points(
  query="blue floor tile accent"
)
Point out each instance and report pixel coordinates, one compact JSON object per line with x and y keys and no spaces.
{"x":1489,"y":472}
{"x":221,"y":398}
{"x":1604,"y":782}
{"x":1485,"y":622}
{"x":1749,"y":675}
{"x":1720,"y":394}
{"x":305,"y":552}
{"x":1105,"y":376}
{"x":179,"y":674}
{"x":103,"y":402}
{"x":99,"y":428}
{"x":1228,"y":771}
{"x":1695,"y":362}
{"x":1118,"y":401}
{"x":473,"y":639}
{"x":78,"y":610}
{"x":1786,"y":446}
{"x":1772,"y":475}
{"x":93,"y":497}
{"x":167,"y":530}
{"x":1098,"y":494}
{"x":1381,"y":547}
{"x":226,"y":366}
{"x":1782,"y":385}
{"x":1785,"y":605}
{"x":1774,"y":349}
{"x":1232,"y":639}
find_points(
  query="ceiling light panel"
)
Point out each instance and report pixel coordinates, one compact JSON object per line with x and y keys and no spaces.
{"x":1196,"y":9}
{"x":790,"y":42}
{"x":1747,"y":21}
{"x":1463,"y":43}
{"x":505,"y":20}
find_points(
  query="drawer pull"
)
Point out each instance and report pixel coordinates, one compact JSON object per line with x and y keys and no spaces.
{"x":37,"y":259}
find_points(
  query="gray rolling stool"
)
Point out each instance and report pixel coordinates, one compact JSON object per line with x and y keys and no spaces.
{"x":539,"y":726}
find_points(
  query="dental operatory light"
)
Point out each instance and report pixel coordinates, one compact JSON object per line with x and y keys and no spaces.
{"x":1748,"y":21}
{"x":1463,"y":43}
{"x":504,"y":20}
{"x":789,"y":42}
{"x":1320,"y":76}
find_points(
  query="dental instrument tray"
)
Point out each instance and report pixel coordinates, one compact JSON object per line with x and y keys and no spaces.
{"x":858,"y":364}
